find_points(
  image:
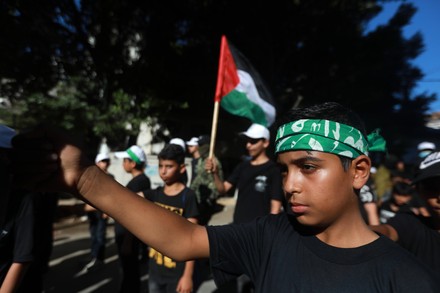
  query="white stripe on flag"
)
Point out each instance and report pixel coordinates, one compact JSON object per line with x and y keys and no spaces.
{"x":248,"y":87}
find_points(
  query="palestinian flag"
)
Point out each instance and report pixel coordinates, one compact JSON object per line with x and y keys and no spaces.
{"x":240,"y":89}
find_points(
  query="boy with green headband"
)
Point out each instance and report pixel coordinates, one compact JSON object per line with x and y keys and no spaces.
{"x":321,"y":244}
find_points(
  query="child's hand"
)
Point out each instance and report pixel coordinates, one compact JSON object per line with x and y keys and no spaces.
{"x":185,"y":285}
{"x":210,"y":165}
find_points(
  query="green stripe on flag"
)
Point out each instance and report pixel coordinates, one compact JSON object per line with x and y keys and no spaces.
{"x":248,"y":86}
{"x":237,"y":103}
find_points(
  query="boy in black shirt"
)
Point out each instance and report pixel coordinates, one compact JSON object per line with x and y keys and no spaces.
{"x":166,"y":274}
{"x":418,"y":234}
{"x":258,"y":180}
{"x":16,"y":222}
{"x":134,"y":161}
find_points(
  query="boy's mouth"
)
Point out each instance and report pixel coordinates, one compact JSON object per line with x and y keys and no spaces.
{"x":298,"y":208}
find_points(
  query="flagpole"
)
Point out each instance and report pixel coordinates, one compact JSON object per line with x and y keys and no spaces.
{"x":214,"y":129}
{"x":217,"y":98}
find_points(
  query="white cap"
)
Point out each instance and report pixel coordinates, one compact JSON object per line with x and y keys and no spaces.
{"x":178,"y":141}
{"x":101,"y":157}
{"x":194,"y":141}
{"x":426,"y":145}
{"x":134,"y":153}
{"x":6,"y":135}
{"x":257,"y":131}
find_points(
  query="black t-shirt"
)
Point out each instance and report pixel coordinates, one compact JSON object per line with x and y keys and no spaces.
{"x":279,"y":258}
{"x":257,"y":185}
{"x":184,"y":204}
{"x":136,"y":184}
{"x":366,"y":196}
{"x":17,"y":236}
{"x":386,"y":211}
{"x":139,"y":183}
{"x":418,"y":238}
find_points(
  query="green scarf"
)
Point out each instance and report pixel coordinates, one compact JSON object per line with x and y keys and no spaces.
{"x":321,"y":135}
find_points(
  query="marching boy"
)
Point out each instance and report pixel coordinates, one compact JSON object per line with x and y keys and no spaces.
{"x":167,"y":274}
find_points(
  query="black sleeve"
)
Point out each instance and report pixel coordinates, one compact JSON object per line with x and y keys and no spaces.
{"x":418,"y":238}
{"x":235,"y":175}
{"x":24,"y":232}
{"x":276,"y":188}
{"x":238,"y":249}
{"x":139,"y":183}
{"x":190,"y":208}
{"x":408,"y":227}
{"x":146,"y":184}
{"x":227,"y":245}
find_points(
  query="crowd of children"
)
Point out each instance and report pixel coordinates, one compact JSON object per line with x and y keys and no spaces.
{"x":321,"y":242}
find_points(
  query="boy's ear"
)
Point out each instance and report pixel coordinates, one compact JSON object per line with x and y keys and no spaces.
{"x":266,"y":143}
{"x":182,"y":168}
{"x":361,"y":167}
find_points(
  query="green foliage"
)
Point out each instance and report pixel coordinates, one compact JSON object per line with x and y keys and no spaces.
{"x":102,"y":67}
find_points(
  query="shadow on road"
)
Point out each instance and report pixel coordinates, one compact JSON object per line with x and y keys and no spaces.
{"x":66,"y":272}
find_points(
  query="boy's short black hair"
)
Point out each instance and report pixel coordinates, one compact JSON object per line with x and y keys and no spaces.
{"x":328,"y":111}
{"x":172,"y":152}
{"x":138,"y":166}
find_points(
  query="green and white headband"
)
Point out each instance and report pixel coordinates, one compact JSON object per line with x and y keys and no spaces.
{"x":321,"y":135}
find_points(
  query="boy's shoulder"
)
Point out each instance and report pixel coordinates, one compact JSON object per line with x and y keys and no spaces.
{"x":139,"y":183}
{"x":247,"y":164}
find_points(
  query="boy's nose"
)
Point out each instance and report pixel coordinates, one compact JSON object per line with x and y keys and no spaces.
{"x":290,"y":184}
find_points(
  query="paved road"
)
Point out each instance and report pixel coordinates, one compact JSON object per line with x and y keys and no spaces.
{"x":72,"y":250}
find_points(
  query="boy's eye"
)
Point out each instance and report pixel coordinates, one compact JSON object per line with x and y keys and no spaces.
{"x":308,"y":167}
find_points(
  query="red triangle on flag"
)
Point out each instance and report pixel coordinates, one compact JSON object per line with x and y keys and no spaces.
{"x":227,"y":78}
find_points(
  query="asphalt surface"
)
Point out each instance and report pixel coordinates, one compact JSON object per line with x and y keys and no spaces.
{"x":71,"y":251}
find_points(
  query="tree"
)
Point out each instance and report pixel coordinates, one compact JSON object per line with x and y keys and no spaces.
{"x":119,"y":62}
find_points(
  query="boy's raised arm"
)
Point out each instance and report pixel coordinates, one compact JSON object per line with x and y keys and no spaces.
{"x":48,"y":160}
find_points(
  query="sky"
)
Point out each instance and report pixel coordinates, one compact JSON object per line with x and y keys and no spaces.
{"x":427,"y":22}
